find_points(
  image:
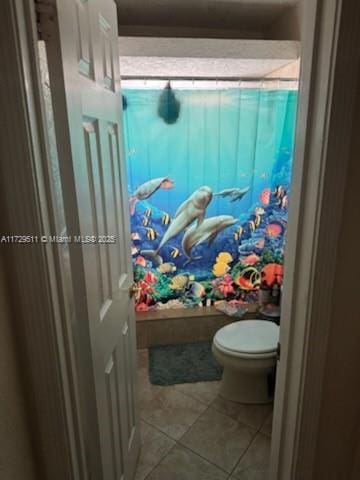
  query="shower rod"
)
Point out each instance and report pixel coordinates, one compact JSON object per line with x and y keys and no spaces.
{"x":210,"y":79}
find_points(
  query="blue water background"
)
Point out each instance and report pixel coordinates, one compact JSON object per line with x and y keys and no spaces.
{"x":226,"y":138}
{"x":223,"y":139}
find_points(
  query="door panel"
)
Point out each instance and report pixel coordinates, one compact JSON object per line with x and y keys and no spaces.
{"x":106,"y":52}
{"x":117,"y":452}
{"x":84,"y":77}
{"x":83,"y":38}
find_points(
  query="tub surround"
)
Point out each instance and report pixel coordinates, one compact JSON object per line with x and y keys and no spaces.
{"x":165,"y":327}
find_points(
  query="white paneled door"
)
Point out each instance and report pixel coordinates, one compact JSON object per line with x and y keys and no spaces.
{"x":84,"y":76}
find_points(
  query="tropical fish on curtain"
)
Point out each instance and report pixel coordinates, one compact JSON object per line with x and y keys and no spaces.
{"x":209,"y":194}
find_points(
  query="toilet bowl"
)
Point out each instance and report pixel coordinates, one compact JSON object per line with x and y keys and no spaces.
{"x":247,"y":351}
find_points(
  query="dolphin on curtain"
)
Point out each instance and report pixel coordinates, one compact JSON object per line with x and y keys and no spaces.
{"x":147,"y":189}
{"x":234,"y":194}
{"x":193,"y":208}
{"x":207,"y":231}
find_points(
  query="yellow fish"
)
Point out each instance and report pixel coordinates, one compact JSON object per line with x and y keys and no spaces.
{"x":145,"y":221}
{"x":166,"y":219}
{"x":148,"y":212}
{"x":175,"y":252}
{"x":257,"y":220}
{"x":151,"y":234}
{"x":224,"y":257}
{"x":279,"y":191}
{"x":259,"y":211}
{"x":220,"y":268}
{"x":179,"y":282}
{"x":252,"y":225}
{"x":166,"y":268}
{"x":238,"y":233}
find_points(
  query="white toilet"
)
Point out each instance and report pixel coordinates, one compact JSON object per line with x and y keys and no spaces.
{"x":247,"y":351}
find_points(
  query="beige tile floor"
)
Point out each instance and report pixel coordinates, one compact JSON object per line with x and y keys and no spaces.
{"x":190,"y":433}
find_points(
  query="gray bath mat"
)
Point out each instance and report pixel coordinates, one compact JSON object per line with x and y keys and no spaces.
{"x":183,"y":363}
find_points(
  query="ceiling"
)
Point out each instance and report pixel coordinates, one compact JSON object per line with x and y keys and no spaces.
{"x":201,"y":18}
{"x":207,"y":38}
{"x":155,"y":67}
{"x":204,"y":58}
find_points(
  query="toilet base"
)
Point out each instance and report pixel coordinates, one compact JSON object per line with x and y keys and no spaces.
{"x":239,"y":386}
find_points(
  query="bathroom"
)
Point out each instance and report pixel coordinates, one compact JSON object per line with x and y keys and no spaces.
{"x":208,"y":144}
{"x":191,"y":129}
{"x":235,"y":364}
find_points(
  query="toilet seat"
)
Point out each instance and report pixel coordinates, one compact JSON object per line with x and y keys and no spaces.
{"x":248,"y":339}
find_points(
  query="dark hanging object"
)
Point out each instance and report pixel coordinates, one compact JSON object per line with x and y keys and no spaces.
{"x":169,"y":105}
{"x":124,"y":102}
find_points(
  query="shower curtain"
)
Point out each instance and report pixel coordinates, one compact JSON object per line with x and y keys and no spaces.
{"x":209,"y":175}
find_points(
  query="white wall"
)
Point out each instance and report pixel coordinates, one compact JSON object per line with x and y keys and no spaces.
{"x":287,"y":25}
{"x":207,"y":18}
{"x":291,"y":70}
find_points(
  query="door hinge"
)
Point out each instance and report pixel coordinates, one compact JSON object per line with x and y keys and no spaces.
{"x":45,"y":18}
{"x":278,"y":350}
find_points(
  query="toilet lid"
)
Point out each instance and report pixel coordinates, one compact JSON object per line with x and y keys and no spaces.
{"x":249,"y":336}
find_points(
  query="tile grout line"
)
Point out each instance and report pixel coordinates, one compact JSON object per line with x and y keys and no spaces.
{"x":166,"y":434}
{"x":211,"y":404}
{"x":161,"y":459}
{"x":243,"y":454}
{"x":191,"y":396}
{"x":159,"y":430}
{"x":196,"y":453}
{"x":175,"y":385}
{"x":248,"y":447}
{"x":258,"y":429}
{"x":208,"y":406}
{"x":177,"y":443}
{"x":209,"y":461}
{"x":180,"y":391}
{"x":203,"y":458}
{"x":242,"y":421}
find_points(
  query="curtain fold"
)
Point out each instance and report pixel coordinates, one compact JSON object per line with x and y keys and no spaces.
{"x":235,"y":138}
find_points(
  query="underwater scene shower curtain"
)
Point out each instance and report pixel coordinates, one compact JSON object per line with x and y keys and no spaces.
{"x":209,"y":183}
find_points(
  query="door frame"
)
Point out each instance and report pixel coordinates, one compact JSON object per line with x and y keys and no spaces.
{"x":323,"y":134}
{"x":45,"y":345}
{"x":312,"y":236}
